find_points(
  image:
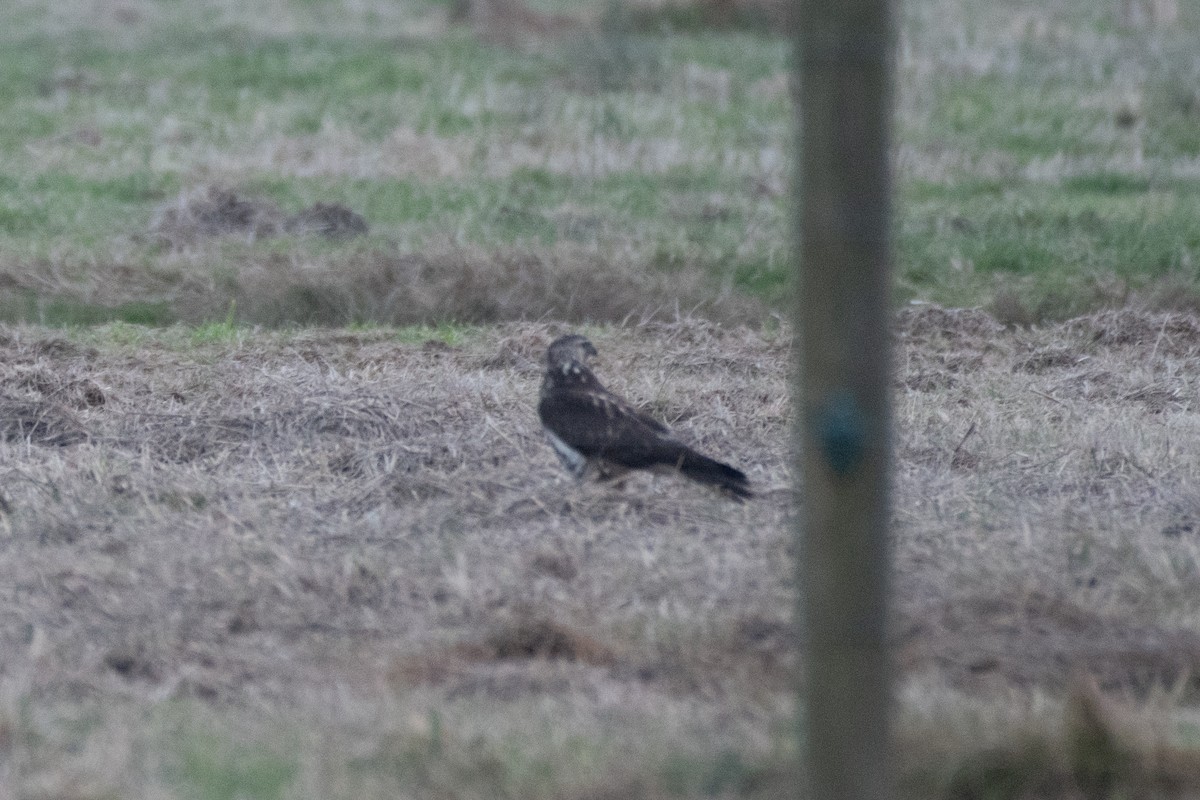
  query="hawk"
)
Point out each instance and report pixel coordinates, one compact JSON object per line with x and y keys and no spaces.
{"x":590,"y":427}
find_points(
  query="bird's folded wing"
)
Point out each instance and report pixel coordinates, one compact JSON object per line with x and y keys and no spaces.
{"x":601,"y":426}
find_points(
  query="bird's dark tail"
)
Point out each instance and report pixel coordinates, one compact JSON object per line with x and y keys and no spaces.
{"x":703,"y":469}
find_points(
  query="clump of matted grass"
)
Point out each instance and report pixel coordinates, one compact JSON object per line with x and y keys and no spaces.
{"x":38,"y":422}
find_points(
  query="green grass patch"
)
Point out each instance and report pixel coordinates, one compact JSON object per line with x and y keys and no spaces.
{"x":60,"y":312}
{"x":1048,"y":238}
{"x":446,"y":333}
{"x":210,"y":768}
{"x":218,"y":332}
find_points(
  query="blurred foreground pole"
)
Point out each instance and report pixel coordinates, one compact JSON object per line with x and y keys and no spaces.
{"x":843,"y":62}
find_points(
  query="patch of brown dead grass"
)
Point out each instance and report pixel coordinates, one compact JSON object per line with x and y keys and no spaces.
{"x":522,"y":637}
{"x":466,"y":285}
{"x":199,"y":283}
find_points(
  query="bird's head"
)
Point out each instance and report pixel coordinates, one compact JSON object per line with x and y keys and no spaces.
{"x":569,"y":349}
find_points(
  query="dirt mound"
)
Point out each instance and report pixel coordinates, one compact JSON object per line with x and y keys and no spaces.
{"x":331,"y":220}
{"x":215,"y":211}
{"x":218,"y":211}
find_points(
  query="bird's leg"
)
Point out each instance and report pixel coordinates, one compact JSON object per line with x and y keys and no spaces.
{"x":611,"y":473}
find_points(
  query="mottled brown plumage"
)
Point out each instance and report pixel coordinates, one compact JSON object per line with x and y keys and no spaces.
{"x":592,"y":428}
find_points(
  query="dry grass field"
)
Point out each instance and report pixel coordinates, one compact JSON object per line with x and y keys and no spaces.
{"x":276,"y":516}
{"x":345,"y":564}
